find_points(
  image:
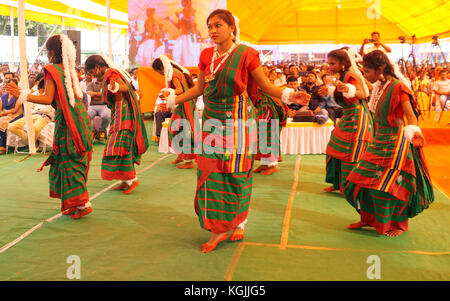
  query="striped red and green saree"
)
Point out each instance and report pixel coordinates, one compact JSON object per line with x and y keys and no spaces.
{"x":269,"y":110}
{"x":181,"y":125}
{"x":349,"y":138}
{"x":127,"y":136}
{"x":72,"y":146}
{"x":391,"y":182}
{"x":229,"y":137}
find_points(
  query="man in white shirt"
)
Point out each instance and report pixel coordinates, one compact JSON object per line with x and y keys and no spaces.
{"x":441,"y":88}
{"x":281,"y":78}
{"x":377,"y":45}
{"x":161,"y":113}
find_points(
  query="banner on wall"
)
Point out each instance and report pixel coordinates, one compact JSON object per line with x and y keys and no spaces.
{"x":176,"y":28}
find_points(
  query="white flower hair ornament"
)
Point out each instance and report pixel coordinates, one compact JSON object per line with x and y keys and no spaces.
{"x":168,"y":69}
{"x":69,"y":55}
{"x":355,"y":57}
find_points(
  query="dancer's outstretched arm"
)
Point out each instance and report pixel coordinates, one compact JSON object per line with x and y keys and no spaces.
{"x":45,"y":99}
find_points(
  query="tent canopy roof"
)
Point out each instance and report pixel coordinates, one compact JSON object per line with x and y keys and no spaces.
{"x":285,"y":21}
{"x":321,"y":21}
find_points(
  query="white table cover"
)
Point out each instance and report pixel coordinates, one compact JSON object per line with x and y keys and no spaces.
{"x":296,"y":138}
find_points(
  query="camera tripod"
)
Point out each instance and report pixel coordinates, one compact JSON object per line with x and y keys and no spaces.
{"x":435,"y":51}
{"x":404,"y":67}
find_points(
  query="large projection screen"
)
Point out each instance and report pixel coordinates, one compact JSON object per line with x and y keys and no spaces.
{"x":176,"y":28}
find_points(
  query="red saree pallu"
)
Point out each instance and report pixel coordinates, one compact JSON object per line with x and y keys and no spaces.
{"x":349,"y":138}
{"x":229,"y":141}
{"x":72,"y":146}
{"x":127,"y":136}
{"x":271,"y":111}
{"x":181,"y":124}
{"x":391,"y":182}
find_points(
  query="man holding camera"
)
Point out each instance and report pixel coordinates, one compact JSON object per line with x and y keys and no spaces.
{"x":377,"y":45}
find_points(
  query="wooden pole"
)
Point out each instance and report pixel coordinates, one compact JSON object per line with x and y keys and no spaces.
{"x":100,"y":39}
{"x":108,"y":8}
{"x":24,"y":75}
{"x":11,"y":18}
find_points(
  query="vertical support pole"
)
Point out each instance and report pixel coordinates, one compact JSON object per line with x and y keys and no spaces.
{"x":11,"y":18}
{"x":108,"y":7}
{"x":24,"y":85}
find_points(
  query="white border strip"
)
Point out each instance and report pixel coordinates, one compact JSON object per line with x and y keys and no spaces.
{"x":288,"y":211}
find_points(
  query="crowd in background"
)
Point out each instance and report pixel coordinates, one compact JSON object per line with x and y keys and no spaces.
{"x":12,"y":121}
{"x":430,"y":83}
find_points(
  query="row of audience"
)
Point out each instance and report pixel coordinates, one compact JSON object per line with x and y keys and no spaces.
{"x":12,"y":112}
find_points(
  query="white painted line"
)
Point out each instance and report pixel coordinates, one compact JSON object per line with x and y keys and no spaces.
{"x":51,"y":219}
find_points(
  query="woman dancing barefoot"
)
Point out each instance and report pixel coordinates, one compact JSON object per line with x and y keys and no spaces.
{"x":232,"y":74}
{"x":391,"y":182}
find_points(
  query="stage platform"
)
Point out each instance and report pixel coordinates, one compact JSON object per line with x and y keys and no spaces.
{"x":437,"y":150}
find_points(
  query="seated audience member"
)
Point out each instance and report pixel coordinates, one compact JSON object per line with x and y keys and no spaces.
{"x":85,"y":82}
{"x":161,"y":113}
{"x":293,"y":70}
{"x":41,"y":115}
{"x":7,"y":77}
{"x":98,"y":111}
{"x":441,"y":88}
{"x":327,"y":92}
{"x":272,"y":75}
{"x":317,"y":103}
{"x":10,"y":110}
{"x":292,"y":83}
{"x":281,"y":79}
{"x":32,"y":82}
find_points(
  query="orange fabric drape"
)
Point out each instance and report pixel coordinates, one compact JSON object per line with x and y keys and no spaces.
{"x":150,"y":83}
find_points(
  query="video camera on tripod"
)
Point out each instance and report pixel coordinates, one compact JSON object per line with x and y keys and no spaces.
{"x":435,"y":40}
{"x":435,"y":51}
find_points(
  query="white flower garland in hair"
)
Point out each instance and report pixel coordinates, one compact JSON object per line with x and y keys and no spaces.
{"x":168,"y":69}
{"x":69,"y":55}
{"x":111,"y":64}
{"x":354,"y":56}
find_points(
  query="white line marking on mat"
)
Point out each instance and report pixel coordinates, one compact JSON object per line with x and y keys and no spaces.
{"x":51,"y":219}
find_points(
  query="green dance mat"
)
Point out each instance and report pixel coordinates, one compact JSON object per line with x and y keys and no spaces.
{"x":295,"y":231}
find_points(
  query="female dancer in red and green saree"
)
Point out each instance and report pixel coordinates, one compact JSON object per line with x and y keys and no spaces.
{"x":127,"y":137}
{"x":181,"y":125}
{"x":225,"y":169}
{"x":354,"y":131}
{"x":391,"y":182}
{"x":272,"y":112}
{"x":72,"y":141}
